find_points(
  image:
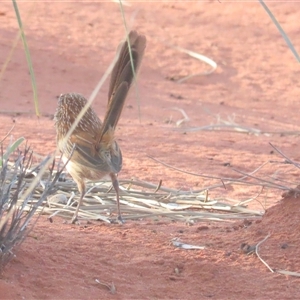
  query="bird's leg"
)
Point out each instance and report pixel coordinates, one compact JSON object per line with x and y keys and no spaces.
{"x":115,"y":184}
{"x":81,"y":189}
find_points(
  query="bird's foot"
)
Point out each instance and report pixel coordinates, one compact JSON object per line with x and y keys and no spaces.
{"x":120,"y":220}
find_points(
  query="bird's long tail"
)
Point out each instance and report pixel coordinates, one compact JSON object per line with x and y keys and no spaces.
{"x":120,"y":82}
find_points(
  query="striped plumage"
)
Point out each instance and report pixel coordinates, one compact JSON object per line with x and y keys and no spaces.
{"x":95,"y":151}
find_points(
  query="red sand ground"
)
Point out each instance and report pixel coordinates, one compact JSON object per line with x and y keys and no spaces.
{"x":257,"y":81}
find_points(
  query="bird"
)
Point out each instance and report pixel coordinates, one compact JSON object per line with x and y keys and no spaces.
{"x":91,"y":151}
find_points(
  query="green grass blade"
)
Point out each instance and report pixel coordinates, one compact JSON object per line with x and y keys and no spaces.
{"x":28,"y":58}
{"x":284,"y":35}
{"x":11,"y":149}
{"x":10,"y":54}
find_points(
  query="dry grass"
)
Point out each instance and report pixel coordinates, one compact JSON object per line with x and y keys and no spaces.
{"x":17,"y":211}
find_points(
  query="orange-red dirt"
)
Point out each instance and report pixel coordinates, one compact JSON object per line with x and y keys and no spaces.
{"x":256,"y":83}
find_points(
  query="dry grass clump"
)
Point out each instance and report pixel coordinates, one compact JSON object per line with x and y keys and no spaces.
{"x":16,"y":212}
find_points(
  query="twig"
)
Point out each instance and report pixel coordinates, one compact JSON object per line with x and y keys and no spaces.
{"x":237,"y":129}
{"x":289,"y":273}
{"x":240,"y":129}
{"x":158,"y":186}
{"x":184,"y":114}
{"x":256,"y":252}
{"x":110,"y":286}
{"x":182,"y":171}
{"x":271,"y":184}
{"x":282,"y":154}
{"x":9,"y":132}
{"x":225,"y":181}
{"x":280,"y":29}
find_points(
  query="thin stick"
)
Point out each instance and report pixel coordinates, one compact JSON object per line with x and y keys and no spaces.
{"x":158,"y":186}
{"x":186,"y":172}
{"x":289,"y":273}
{"x":236,"y":129}
{"x":282,"y":154}
{"x":231,"y":180}
{"x":280,"y":29}
{"x":9,"y":132}
{"x":271,"y":184}
{"x":184,"y":114}
{"x":110,"y":286}
{"x":256,"y":252}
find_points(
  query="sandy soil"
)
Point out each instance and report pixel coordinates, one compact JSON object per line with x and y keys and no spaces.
{"x":255,"y":84}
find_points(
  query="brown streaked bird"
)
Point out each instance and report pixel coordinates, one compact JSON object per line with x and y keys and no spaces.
{"x":92,"y":146}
